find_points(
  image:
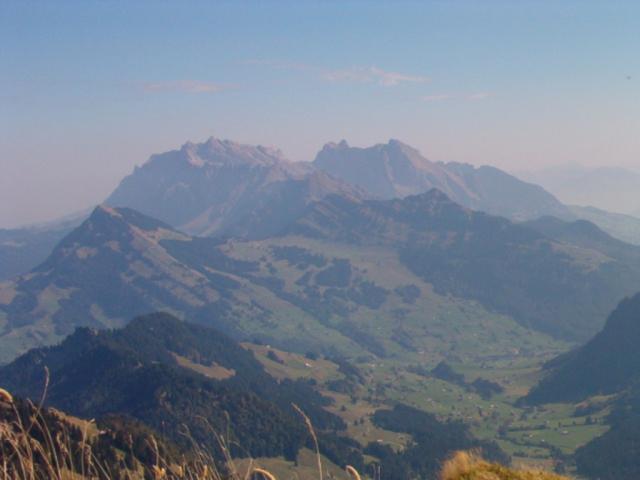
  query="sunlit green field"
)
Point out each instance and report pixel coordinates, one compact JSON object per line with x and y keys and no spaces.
{"x":532,"y":436}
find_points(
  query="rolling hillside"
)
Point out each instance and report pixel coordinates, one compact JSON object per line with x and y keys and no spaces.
{"x":175,"y":377}
{"x":307,"y":294}
{"x":556,"y":287}
{"x":385,"y":277}
{"x":170,"y":374}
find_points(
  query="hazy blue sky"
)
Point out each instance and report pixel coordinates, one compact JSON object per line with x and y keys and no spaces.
{"x":89,"y":89}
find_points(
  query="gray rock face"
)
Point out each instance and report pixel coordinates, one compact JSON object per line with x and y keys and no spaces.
{"x":218,"y":187}
{"x":398,"y":170}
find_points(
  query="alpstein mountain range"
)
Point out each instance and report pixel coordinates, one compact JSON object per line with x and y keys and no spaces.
{"x":396,"y":170}
{"x":218,"y":187}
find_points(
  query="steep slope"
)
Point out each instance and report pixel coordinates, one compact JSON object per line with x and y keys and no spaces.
{"x":224,"y":188}
{"x":348,"y":276}
{"x":120,"y":263}
{"x":607,"y":364}
{"x":290,"y":291}
{"x":151,"y":371}
{"x":615,"y":455}
{"x":587,"y":235}
{"x":624,"y":227}
{"x":397,"y":170}
{"x":556,"y":287}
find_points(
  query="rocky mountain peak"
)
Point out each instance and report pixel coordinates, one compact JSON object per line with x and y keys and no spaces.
{"x":219,"y":152}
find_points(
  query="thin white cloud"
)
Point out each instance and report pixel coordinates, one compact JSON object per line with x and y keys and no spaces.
{"x":356,"y":74}
{"x":382,"y":77}
{"x":279,"y":64}
{"x":447,"y":96}
{"x":186,"y":86}
{"x":480,"y":96}
{"x":437,"y":98}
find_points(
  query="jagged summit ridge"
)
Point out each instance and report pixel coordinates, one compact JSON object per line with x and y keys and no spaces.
{"x":396,"y":169}
{"x":218,"y":186}
{"x":219,"y":152}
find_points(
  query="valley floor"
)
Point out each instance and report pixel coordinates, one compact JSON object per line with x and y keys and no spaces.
{"x":539,"y":437}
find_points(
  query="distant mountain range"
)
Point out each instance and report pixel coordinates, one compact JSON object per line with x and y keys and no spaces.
{"x":396,"y":170}
{"x":120,"y":263}
{"x":222,"y":188}
{"x":218,"y":187}
{"x":323,"y":281}
{"x":366,"y":253}
{"x":614,"y":189}
{"x":587,"y":235}
{"x":623,"y":227}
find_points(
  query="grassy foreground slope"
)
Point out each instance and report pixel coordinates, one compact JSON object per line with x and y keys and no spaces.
{"x":465,"y":466}
{"x":43,"y":443}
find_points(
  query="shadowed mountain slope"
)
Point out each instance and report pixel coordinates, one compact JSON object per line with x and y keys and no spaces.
{"x":174,"y":376}
{"x":607,"y":364}
{"x":170,"y":375}
{"x":554,"y":286}
{"x":624,"y":227}
{"x":587,"y":235}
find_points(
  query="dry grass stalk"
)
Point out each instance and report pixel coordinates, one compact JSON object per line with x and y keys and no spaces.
{"x":312,"y":431}
{"x":353,"y":473}
{"x":5,"y":396}
{"x":262,"y":474}
{"x":36,"y":444}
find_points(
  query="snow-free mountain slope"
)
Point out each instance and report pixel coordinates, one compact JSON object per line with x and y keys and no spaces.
{"x":224,"y":188}
{"x":397,"y":170}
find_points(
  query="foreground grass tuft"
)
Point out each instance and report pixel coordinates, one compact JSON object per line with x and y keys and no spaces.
{"x":468,"y":466}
